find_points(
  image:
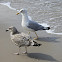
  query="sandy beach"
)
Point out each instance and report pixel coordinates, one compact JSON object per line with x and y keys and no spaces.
{"x":50,"y":51}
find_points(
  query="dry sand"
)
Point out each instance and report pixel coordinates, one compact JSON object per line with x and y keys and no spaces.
{"x":50,"y":51}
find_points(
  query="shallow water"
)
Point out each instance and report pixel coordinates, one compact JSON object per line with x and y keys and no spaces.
{"x":46,"y":12}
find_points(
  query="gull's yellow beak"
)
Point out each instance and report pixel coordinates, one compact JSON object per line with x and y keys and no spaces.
{"x":17,"y":13}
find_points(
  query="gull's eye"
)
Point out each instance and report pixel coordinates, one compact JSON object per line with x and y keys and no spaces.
{"x":9,"y":28}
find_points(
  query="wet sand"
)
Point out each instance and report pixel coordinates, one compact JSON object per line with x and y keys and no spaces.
{"x":50,"y":51}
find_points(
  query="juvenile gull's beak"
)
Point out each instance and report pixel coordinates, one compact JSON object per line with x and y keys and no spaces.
{"x":7,"y":30}
{"x":17,"y":13}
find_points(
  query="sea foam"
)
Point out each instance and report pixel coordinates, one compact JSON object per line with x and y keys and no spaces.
{"x":8,"y":4}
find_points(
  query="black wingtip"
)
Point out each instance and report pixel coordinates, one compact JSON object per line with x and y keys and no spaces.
{"x":48,"y":28}
{"x":39,"y":44}
{"x":36,"y":44}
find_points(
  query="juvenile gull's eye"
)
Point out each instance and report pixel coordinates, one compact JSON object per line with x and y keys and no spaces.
{"x":9,"y":28}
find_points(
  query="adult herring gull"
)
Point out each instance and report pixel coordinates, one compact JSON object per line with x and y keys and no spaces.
{"x":29,"y":24}
{"x":21,"y":39}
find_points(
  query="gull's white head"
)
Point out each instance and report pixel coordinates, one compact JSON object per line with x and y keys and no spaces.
{"x":22,"y":11}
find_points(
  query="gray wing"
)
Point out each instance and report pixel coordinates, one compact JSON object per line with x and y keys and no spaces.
{"x":35,"y":26}
{"x":20,"y":40}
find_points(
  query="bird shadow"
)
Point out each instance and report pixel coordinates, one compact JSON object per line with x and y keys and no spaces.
{"x":41,"y":56}
{"x":48,"y":39}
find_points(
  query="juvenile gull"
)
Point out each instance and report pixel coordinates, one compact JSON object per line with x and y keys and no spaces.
{"x":21,"y":39}
{"x":29,"y":24}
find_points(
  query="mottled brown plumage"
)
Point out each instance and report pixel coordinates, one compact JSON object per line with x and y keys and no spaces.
{"x":21,"y":39}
